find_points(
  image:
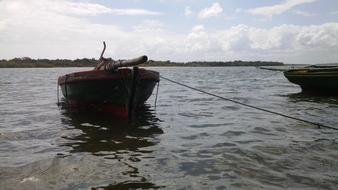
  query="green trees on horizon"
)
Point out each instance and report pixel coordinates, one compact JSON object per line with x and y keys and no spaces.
{"x":26,"y":62}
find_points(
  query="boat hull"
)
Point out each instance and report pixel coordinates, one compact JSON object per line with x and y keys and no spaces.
{"x":114,"y":92}
{"x":324,"y":81}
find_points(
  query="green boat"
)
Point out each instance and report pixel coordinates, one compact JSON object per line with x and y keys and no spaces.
{"x":315,"y":78}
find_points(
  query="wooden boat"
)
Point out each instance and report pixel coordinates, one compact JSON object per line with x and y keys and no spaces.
{"x":317,"y":79}
{"x":110,"y":87}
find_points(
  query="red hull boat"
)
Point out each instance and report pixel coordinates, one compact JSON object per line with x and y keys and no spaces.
{"x":109,"y":87}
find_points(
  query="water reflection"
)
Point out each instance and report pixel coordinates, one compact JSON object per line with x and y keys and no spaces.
{"x":111,"y":140}
{"x":104,"y":134}
{"x":310,"y":97}
{"x":128,"y":185}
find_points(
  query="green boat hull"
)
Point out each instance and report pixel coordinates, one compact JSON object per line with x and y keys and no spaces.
{"x":318,"y":80}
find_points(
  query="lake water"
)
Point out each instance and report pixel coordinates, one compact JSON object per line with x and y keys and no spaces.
{"x":191,"y":140}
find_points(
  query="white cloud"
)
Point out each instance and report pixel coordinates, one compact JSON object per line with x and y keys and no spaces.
{"x":198,"y":40}
{"x":71,"y":8}
{"x":88,"y":9}
{"x":150,"y":26}
{"x":55,"y":29}
{"x":303,"y":13}
{"x":238,"y":10}
{"x":230,"y":17}
{"x":288,"y":43}
{"x":134,"y":12}
{"x":28,"y":31}
{"x":188,"y":12}
{"x":269,"y":11}
{"x":314,"y":37}
{"x":212,"y":11}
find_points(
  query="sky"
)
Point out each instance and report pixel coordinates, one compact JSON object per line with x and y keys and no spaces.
{"x":290,"y":31}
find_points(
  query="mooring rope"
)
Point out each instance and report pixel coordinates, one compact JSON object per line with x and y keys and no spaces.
{"x":158,"y":86}
{"x":57,"y":90}
{"x":251,"y":106}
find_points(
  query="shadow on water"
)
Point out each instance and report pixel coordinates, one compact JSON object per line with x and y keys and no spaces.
{"x":114,"y":138}
{"x":102,"y":132}
{"x":129,"y":185}
{"x":313,"y":97}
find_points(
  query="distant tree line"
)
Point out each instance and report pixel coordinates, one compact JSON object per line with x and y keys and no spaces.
{"x":27,"y":62}
{"x":213,"y":63}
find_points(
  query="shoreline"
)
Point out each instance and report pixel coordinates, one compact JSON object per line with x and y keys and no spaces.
{"x":46,"y":63}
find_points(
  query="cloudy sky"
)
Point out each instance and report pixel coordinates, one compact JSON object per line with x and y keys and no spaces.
{"x":292,"y":31}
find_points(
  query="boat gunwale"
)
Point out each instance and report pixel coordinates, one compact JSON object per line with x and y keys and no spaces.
{"x":104,"y":76}
{"x":313,"y":70}
{"x":310,"y":75}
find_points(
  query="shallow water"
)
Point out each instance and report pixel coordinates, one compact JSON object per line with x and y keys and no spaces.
{"x":191,"y":140}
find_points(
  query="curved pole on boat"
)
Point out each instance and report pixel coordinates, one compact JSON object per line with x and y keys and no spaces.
{"x":129,"y":62}
{"x":101,"y":60}
{"x":104,"y":49}
{"x":109,"y":64}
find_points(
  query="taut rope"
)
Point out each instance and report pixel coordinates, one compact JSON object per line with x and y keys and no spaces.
{"x":251,"y":106}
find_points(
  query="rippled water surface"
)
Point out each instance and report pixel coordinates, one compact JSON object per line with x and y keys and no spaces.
{"x":191,"y":140}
